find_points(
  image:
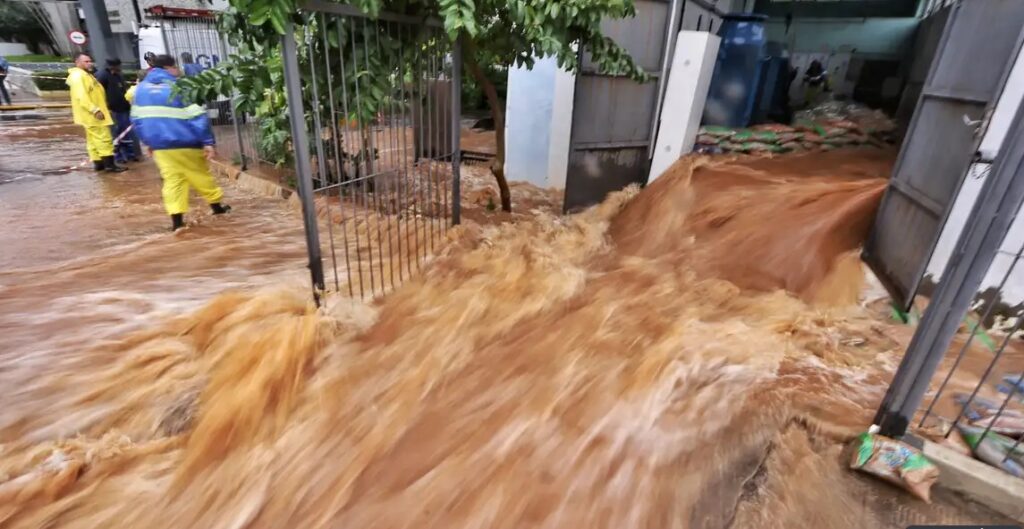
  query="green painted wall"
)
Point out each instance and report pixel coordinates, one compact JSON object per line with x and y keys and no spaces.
{"x":891,"y":37}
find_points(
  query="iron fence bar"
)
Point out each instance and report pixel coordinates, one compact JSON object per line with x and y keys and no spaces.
{"x":392,"y":143}
{"x":406,"y":161}
{"x":990,"y":219}
{"x":456,"y":131}
{"x":431,"y":84}
{"x":350,"y":11}
{"x":321,"y":159}
{"x":418,"y":174}
{"x":967,"y":344}
{"x":374,"y":150}
{"x":234,"y":111}
{"x":300,"y":140}
{"x":317,"y":125}
{"x":984,"y":376}
{"x":338,"y":161}
{"x":386,"y":211}
{"x":355,"y":162}
{"x":1016,"y":443}
{"x":446,"y":126}
{"x":365,"y":155}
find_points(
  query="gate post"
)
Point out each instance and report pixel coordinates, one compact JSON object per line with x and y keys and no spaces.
{"x":456,"y":131}
{"x":234,"y":111}
{"x":300,"y":144}
{"x":993,"y":213}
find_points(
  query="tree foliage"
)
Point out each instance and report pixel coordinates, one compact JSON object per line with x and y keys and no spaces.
{"x":494,"y":32}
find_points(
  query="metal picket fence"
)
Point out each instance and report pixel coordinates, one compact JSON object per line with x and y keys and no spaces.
{"x":374,"y":105}
{"x":195,"y":41}
{"x":947,"y":382}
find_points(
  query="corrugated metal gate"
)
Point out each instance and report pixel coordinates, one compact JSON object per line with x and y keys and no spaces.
{"x":966,"y":77}
{"x":613,"y":116}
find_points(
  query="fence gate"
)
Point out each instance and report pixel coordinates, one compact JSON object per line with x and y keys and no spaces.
{"x":374,"y":105}
{"x":613,"y":117}
{"x":971,"y":64}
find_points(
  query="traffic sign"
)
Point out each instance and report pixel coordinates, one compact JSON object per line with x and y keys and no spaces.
{"x":77,"y":37}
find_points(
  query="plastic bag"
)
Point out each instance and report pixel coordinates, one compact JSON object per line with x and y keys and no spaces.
{"x":896,"y":463}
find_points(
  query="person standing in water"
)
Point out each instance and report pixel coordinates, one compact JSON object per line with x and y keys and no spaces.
{"x":89,"y":109}
{"x":115,"y":87}
{"x":4,"y":67}
{"x":180,"y":138}
{"x":816,"y":81}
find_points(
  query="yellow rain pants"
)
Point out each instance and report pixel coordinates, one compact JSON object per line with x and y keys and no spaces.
{"x":99,"y":142}
{"x":180,"y":169}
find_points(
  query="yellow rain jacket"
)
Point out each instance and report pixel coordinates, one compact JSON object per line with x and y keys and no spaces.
{"x":87,"y":96}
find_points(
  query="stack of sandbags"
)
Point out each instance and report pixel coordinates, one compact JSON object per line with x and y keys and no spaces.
{"x":829,"y":126}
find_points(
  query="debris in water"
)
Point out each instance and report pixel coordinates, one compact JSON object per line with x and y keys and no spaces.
{"x":895,"y":462}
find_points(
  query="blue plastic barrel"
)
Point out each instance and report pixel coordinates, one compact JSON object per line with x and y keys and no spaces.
{"x":737,"y":76}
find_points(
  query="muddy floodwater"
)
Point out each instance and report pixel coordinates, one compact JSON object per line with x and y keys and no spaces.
{"x":691,"y":355}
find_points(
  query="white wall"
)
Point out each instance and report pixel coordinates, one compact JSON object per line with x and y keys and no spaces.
{"x":687,"y":90}
{"x":1006,"y":107}
{"x":538,"y":115}
{"x":13,"y":48}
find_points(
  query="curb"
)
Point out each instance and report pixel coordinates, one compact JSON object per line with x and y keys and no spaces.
{"x":987,"y":485}
{"x":254,"y":183}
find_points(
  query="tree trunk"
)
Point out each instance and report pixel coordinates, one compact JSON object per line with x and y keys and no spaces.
{"x":498,"y":115}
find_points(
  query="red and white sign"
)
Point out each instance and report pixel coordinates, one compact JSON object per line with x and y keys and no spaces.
{"x":77,"y":37}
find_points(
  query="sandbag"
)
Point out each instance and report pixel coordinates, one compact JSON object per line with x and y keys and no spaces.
{"x":995,"y":449}
{"x":777,"y":128}
{"x":714,"y":130}
{"x":895,"y":462}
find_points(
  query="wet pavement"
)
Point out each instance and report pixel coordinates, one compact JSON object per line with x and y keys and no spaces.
{"x":91,"y":254}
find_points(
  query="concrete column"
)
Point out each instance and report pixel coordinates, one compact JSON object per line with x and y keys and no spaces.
{"x":98,"y":25}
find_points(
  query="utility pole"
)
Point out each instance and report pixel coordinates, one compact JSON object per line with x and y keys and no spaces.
{"x":98,"y":26}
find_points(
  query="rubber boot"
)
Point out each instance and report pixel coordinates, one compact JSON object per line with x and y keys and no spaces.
{"x":98,"y":165}
{"x":177,"y":221}
{"x":111,"y":166}
{"x":220,"y":209}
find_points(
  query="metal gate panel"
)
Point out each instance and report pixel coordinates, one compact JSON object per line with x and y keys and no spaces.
{"x":965,"y":79}
{"x":612,"y":115}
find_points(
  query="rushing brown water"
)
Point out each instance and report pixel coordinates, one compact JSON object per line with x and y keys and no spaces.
{"x":553,"y":372}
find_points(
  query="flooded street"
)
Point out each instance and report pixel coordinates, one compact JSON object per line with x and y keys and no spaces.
{"x":666,"y":359}
{"x":89,"y":256}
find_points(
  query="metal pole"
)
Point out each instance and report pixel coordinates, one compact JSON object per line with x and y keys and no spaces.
{"x":98,"y":25}
{"x":996,"y":206}
{"x":303,"y":169}
{"x":456,"y":131}
{"x":234,"y":110}
{"x":675,"y":11}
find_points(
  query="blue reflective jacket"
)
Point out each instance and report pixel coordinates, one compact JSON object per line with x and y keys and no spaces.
{"x":165,"y":122}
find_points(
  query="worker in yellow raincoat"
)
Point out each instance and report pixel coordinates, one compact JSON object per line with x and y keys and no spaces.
{"x":180,"y":138}
{"x":89,"y":109}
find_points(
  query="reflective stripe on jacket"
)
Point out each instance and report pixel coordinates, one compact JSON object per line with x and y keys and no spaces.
{"x":164,"y":121}
{"x":87,"y":96}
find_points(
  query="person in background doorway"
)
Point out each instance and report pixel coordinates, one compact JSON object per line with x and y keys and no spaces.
{"x":4,"y":68}
{"x":148,"y":57}
{"x":115,"y":87}
{"x":816,"y":81}
{"x":181,"y":139}
{"x":129,"y":94}
{"x":89,"y":109}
